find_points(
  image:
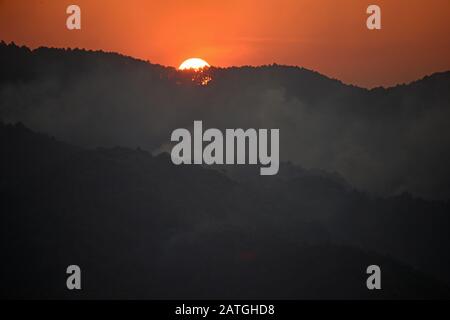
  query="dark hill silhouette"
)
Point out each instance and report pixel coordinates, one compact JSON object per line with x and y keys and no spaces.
{"x":364,"y":179}
{"x":387,"y":141}
{"x":141,"y":227}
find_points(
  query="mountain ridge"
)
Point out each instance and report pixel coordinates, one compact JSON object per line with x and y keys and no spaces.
{"x":229,"y":68}
{"x":187,"y":232}
{"x":367,"y":136}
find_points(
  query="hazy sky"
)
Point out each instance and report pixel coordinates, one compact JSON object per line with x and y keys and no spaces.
{"x":328,"y":36}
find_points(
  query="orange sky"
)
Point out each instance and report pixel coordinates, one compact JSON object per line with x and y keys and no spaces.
{"x":329,"y":36}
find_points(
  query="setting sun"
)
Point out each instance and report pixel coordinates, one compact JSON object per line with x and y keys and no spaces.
{"x":193,"y":64}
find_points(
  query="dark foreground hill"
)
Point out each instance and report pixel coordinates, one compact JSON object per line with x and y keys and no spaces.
{"x":140,"y":227}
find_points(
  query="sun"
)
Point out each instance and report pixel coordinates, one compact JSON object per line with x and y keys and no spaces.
{"x":194,"y":64}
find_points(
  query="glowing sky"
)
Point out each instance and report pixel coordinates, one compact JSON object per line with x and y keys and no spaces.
{"x":328,"y":36}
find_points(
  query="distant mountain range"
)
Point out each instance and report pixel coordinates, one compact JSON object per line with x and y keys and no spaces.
{"x":385,"y":141}
{"x":85,"y":178}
